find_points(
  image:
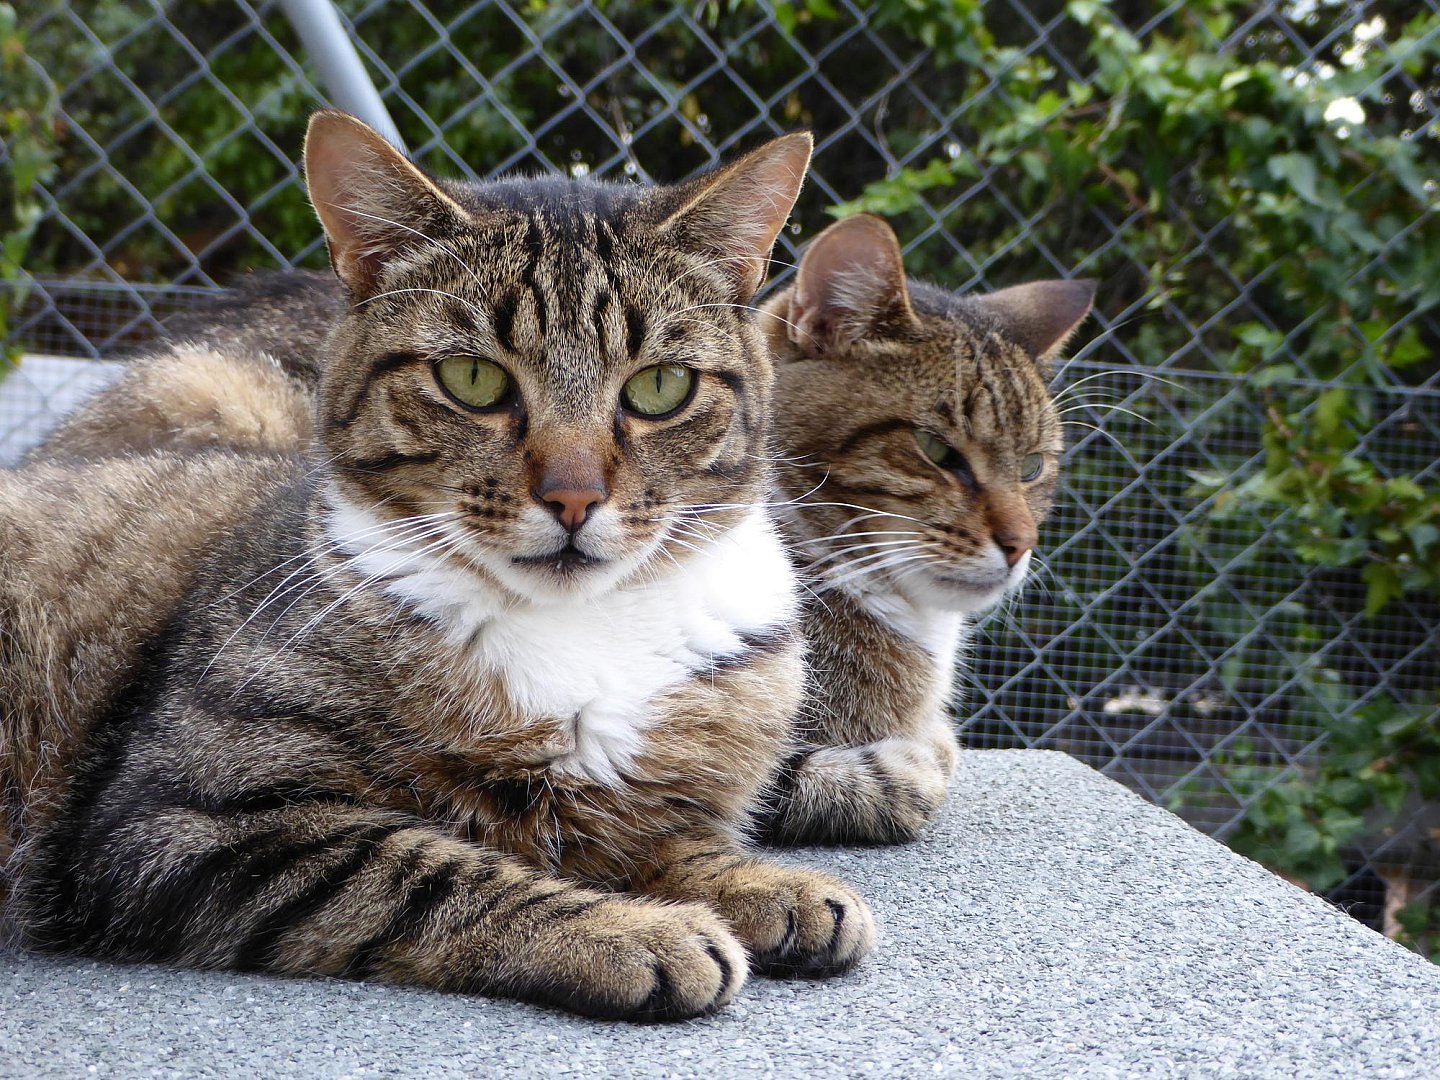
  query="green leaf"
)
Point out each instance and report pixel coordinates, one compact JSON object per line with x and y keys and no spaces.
{"x":1383,"y":586}
{"x":1300,"y":173}
{"x":1271,"y":375}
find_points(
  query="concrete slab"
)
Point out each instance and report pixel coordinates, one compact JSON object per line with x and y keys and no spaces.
{"x":35,"y":396}
{"x":1050,"y":924}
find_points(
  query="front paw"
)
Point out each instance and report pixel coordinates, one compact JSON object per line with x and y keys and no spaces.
{"x":639,"y":961}
{"x":796,"y":922}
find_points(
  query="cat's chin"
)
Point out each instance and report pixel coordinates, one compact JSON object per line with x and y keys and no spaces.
{"x":549,"y":579}
{"x":966,"y":591}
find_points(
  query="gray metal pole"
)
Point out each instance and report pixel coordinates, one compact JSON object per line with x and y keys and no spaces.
{"x":341,"y":70}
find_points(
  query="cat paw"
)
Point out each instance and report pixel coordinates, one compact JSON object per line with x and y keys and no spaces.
{"x":642,"y":961}
{"x":797,"y":922}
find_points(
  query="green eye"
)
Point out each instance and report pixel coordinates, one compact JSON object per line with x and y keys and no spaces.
{"x":473,"y":381}
{"x":658,"y":390}
{"x":934,"y":448}
{"x":1032,"y":467}
{"x":946,"y":456}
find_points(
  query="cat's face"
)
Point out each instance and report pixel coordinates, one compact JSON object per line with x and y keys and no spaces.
{"x":921,"y":441}
{"x":564,"y":373}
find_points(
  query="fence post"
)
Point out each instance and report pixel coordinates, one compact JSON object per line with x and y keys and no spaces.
{"x":343,"y":73}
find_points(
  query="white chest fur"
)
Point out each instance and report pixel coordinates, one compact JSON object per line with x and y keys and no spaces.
{"x":940,"y":633}
{"x":597,"y":664}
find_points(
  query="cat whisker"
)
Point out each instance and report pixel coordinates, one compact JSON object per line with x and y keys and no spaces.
{"x":865,"y":510}
{"x":407,"y":535}
{"x":671,"y":316}
{"x":850,"y":535}
{"x":703,"y":508}
{"x":476,"y":308}
{"x":1094,"y":343}
{"x":1139,"y":374}
{"x":315,"y":620}
{"x":1080,"y":423}
{"x":889,"y":548}
{"x":333,"y":544}
{"x":880,"y":556}
{"x":851,"y":576}
{"x":1108,"y":408}
{"x":673,"y":285}
{"x":344,"y":564}
{"x":423,"y":236}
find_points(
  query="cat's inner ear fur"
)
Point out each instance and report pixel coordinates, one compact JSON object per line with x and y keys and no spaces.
{"x":850,"y":286}
{"x":735,"y":212}
{"x":371,"y":200}
{"x":1040,"y":316}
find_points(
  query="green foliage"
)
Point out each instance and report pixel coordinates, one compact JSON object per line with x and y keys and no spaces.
{"x":1383,"y":757}
{"x":1420,"y":928}
{"x":27,"y":122}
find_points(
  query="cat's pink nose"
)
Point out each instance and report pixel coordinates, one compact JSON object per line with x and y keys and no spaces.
{"x":1015,"y":544}
{"x":571,"y":506}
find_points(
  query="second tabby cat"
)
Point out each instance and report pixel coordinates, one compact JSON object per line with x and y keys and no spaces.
{"x":923,"y":450}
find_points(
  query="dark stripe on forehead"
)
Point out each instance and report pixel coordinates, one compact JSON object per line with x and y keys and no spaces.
{"x":634,"y":330}
{"x":503,"y":319}
{"x":870,"y":431}
{"x":535,"y":248}
{"x":597,"y":317}
{"x":605,"y":253}
{"x":604,"y":247}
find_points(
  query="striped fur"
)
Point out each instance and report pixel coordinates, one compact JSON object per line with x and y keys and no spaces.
{"x":316,"y":711}
{"x":899,"y":553}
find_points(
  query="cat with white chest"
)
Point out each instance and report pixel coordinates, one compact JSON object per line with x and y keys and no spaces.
{"x":474,"y":678}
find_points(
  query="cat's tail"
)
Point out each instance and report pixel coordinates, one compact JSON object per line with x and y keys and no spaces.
{"x":882,"y":792}
{"x":188,"y":396}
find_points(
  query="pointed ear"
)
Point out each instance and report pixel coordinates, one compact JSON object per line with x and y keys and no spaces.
{"x":371,"y":200}
{"x":1041,"y":316}
{"x":735,"y":212}
{"x":851,"y":285}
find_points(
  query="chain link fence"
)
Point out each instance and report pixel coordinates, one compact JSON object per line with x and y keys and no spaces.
{"x":1177,"y":641}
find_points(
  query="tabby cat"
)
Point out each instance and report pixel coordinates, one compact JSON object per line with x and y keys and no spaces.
{"x":477,"y":693}
{"x":923,"y":449}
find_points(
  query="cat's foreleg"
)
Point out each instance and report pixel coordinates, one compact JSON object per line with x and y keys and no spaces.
{"x":349,"y":891}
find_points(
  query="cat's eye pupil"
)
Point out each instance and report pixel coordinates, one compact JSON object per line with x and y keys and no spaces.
{"x":658,"y":390}
{"x":1032,"y":467}
{"x":473,"y":381}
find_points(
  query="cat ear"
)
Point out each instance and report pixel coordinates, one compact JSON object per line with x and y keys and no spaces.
{"x":735,"y":212}
{"x":1040,"y":316}
{"x":850,"y":285}
{"x":371,"y":200}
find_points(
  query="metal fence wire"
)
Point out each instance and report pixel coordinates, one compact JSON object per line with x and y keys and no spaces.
{"x":1193,"y":657}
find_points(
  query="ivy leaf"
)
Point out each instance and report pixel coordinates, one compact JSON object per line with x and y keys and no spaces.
{"x":1299,"y":172}
{"x":1383,"y":586}
{"x":1269,"y":376}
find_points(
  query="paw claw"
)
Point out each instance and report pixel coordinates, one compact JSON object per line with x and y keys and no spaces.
{"x":798,"y":923}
